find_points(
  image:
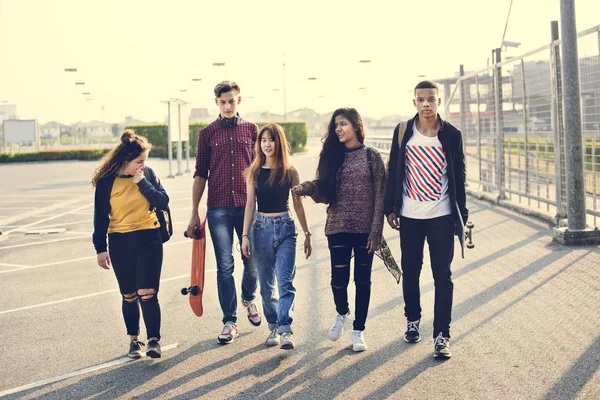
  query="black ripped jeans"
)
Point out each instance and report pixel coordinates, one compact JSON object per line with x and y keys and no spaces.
{"x":341,"y":247}
{"x":137,"y":261}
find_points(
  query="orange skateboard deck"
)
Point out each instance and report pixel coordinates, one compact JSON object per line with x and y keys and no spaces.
{"x":196,"y":287}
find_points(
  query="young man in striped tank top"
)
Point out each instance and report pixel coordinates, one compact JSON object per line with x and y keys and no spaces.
{"x":426,"y":198}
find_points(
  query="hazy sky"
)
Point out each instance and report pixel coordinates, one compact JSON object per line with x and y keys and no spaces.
{"x":134,"y":53}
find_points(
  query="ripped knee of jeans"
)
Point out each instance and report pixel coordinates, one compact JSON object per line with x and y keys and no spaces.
{"x":130,"y":297}
{"x":147,"y":295}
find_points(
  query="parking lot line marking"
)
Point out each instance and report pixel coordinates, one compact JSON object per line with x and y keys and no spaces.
{"x":54,"y":216}
{"x":79,"y":372}
{"x":14,"y":265}
{"x":16,"y":246}
{"x":42,"y":210}
{"x":22,"y":268}
{"x":87,"y":296}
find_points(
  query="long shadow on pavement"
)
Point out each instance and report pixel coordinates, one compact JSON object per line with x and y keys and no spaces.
{"x":345,"y":378}
{"x":132,"y":375}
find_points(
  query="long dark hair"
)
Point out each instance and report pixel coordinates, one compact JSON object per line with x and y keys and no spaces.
{"x":129,"y":149}
{"x":332,"y":154}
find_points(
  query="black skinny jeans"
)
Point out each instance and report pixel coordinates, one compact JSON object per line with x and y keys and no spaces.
{"x":440,"y":238}
{"x":137,"y":261}
{"x":341,"y":246}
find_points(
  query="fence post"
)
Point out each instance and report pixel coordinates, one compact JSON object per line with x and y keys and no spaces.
{"x":524,"y":87}
{"x":499,"y":125}
{"x":478,"y":127}
{"x":572,"y":118}
{"x":463,"y":110}
{"x":557,"y":121}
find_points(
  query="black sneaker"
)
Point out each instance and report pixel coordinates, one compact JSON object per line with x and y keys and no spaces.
{"x":442,"y":347}
{"x":135,"y":349}
{"x":153,"y":349}
{"x":412,"y":334}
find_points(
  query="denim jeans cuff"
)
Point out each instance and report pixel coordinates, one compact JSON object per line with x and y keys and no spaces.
{"x":273,"y":326}
{"x":285,"y":328}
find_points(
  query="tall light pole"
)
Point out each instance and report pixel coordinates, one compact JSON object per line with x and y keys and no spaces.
{"x":70,"y":70}
{"x":366,"y":64}
{"x":284,"y":92}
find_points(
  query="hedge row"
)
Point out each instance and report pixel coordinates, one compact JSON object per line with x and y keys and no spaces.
{"x":53,"y":155}
{"x":296,"y":134}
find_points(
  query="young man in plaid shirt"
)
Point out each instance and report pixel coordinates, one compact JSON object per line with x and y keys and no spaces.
{"x":225,"y":150}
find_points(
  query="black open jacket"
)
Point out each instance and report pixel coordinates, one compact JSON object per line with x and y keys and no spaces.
{"x":451,"y":139}
{"x":149,"y":187}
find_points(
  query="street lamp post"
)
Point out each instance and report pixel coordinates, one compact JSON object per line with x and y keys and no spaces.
{"x":366,"y":63}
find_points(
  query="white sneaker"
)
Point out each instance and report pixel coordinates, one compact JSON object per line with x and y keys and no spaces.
{"x":273,"y":339}
{"x":336,"y":330}
{"x":287,"y":341}
{"x":358,"y":341}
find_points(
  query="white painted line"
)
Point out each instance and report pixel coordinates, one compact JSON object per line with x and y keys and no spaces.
{"x":40,"y":243}
{"x":24,"y":267}
{"x":87,"y":296}
{"x":18,"y":208}
{"x":13,"y":265}
{"x":79,"y":372}
{"x":69,"y":223}
{"x":54,"y":216}
{"x":41,"y":210}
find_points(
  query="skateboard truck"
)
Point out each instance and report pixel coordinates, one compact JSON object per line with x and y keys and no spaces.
{"x":469,"y":235}
{"x":196,"y":233}
{"x":193,"y":290}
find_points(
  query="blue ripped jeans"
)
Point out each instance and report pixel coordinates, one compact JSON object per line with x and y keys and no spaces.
{"x":273,"y":250}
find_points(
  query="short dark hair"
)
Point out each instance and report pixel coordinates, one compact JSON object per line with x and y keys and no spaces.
{"x":427,"y":85}
{"x":225,"y":87}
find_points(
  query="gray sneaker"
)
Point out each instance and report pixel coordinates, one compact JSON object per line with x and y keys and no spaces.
{"x":273,"y":339}
{"x":135,"y":349}
{"x":287,"y":341}
{"x":442,"y":347}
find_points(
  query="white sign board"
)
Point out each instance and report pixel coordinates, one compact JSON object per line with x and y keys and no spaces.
{"x":20,"y":131}
{"x":173,"y":121}
{"x":184,"y":122}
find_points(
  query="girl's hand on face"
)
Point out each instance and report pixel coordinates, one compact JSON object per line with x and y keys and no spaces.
{"x":138,"y":176}
{"x":103,"y":260}
{"x":246,"y":247}
{"x":307,"y":246}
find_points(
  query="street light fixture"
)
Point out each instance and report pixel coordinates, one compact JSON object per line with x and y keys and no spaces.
{"x":364,"y":61}
{"x":196,"y":79}
{"x":70,"y":69}
{"x":218,"y":64}
{"x":312,"y":78}
{"x":80,"y":83}
{"x":183,"y":90}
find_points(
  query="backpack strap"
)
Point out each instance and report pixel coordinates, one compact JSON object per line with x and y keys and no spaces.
{"x":401,"y":131}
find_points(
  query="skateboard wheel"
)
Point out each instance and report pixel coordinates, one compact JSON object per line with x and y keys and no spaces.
{"x":470,"y":245}
{"x":184,"y":291}
{"x":194,"y":290}
{"x":470,"y":225}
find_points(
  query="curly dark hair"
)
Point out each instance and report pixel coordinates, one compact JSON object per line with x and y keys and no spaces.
{"x":129,"y":149}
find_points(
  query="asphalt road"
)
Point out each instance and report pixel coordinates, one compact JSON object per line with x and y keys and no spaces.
{"x":525,"y":317}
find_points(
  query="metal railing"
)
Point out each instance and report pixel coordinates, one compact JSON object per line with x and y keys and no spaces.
{"x":511,"y":117}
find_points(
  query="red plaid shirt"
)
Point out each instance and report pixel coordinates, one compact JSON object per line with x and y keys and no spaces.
{"x":223,"y":155}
